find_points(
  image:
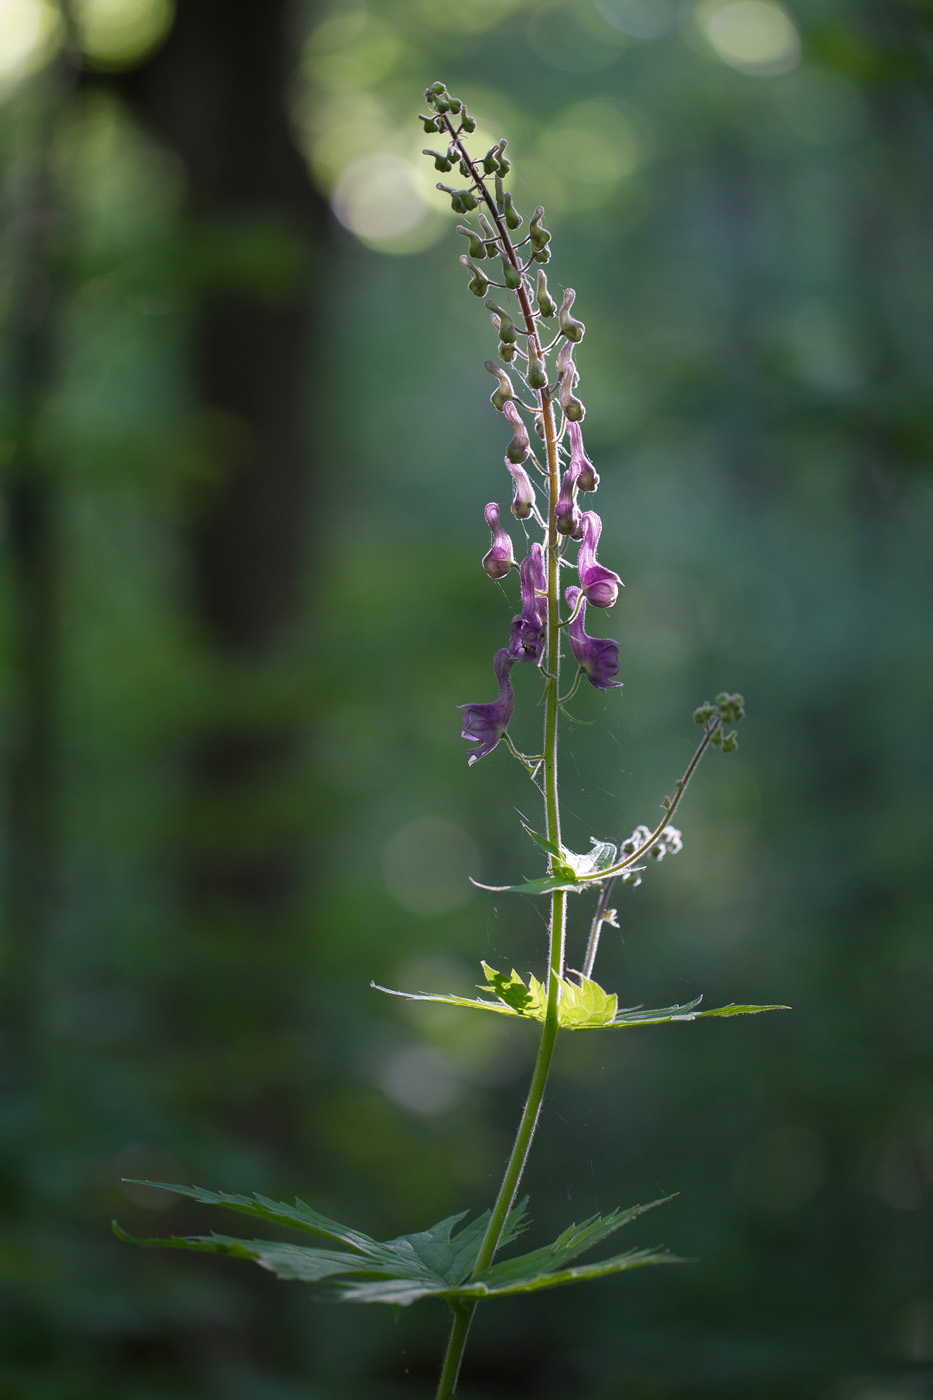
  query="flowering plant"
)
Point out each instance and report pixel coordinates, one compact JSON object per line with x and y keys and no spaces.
{"x":538,"y":339}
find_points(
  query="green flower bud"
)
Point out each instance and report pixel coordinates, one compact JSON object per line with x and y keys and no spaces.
{"x":467,"y":122}
{"x":492,"y":235}
{"x":730,"y":742}
{"x":716,"y":736}
{"x":477,"y":246}
{"x":704,"y":713}
{"x":479,"y":282}
{"x":461,"y":201}
{"x":546,"y":303}
{"x":504,"y":393}
{"x":441,"y":105}
{"x":455,"y":103}
{"x":571,"y":328}
{"x":502,"y":322}
{"x":572,"y":407}
{"x":490,"y":165}
{"x":541,"y":255}
{"x":511,"y":275}
{"x":538,"y":234}
{"x":440,"y":161}
{"x":513,"y":218}
{"x":499,"y":192}
{"x":536,"y":378}
{"x":429,"y":123}
{"x":437,"y":88}
{"x":502,"y":161}
{"x":507,"y":350}
{"x":565,"y":359}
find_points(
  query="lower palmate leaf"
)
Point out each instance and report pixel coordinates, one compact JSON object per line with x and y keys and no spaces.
{"x":435,"y":1263}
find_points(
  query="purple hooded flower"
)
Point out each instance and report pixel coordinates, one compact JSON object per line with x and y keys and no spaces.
{"x":485,"y":725}
{"x":587,"y":476}
{"x":597,"y":657}
{"x":600,"y":586}
{"x":524,"y":498}
{"x":527,"y":642}
{"x":500,"y":558}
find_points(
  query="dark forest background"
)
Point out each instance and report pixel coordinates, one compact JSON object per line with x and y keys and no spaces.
{"x":246,"y":442}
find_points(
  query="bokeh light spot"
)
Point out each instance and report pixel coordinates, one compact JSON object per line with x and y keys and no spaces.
{"x":117,"y":34}
{"x":428,"y":864}
{"x":754,"y":36}
{"x":30,"y":31}
{"x":382,"y":199}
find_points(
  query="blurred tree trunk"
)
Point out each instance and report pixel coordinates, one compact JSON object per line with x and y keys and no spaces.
{"x":33,"y":238}
{"x":216,"y":94}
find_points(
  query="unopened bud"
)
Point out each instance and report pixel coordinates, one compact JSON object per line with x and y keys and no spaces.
{"x":570,"y":327}
{"x":511,"y":275}
{"x":546,"y":303}
{"x":565,"y":360}
{"x":441,"y":162}
{"x":524,"y":497}
{"x":507,"y":351}
{"x":430,"y":125}
{"x":538,"y":235}
{"x":716,"y":736}
{"x":461,"y":201}
{"x":504,"y":393}
{"x":499,"y":559}
{"x":467,"y":122}
{"x":730,"y":742}
{"x":477,"y":246}
{"x":536,"y":378}
{"x":520,"y":445}
{"x":491,"y":235}
{"x":479,"y":282}
{"x":513,"y":218}
{"x":455,"y":103}
{"x":503,"y":322}
{"x":490,"y":164}
{"x":572,"y":407}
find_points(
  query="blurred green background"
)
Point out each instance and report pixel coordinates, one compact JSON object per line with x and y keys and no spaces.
{"x":246,"y":444}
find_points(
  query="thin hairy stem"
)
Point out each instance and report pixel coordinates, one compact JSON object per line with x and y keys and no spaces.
{"x":600,"y":917}
{"x":670,"y":806}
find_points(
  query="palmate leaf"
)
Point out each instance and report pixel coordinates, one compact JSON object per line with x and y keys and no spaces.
{"x":583,"y":1006}
{"x":425,"y":1262}
{"x":428,"y":1263}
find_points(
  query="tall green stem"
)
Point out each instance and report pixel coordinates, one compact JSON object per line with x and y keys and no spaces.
{"x":463,"y":1313}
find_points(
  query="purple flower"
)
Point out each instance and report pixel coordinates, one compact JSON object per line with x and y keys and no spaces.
{"x":527,"y":642}
{"x":600,"y":586}
{"x":524,"y":497}
{"x":597,"y":657}
{"x":499,"y":560}
{"x":485,"y":724}
{"x":587,"y":476}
